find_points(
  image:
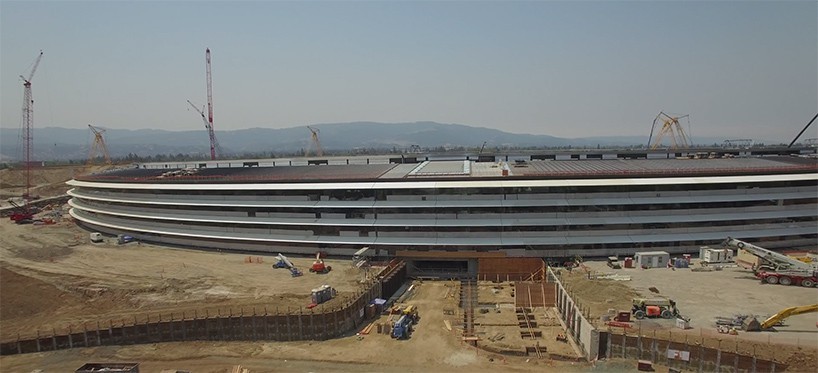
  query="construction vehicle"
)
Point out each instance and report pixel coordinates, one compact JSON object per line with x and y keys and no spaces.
{"x":777,"y":268}
{"x":284,"y":262}
{"x":20,"y":214}
{"x":96,"y":237}
{"x":318,"y":265}
{"x":123,"y":239}
{"x":752,"y":325}
{"x":402,"y":328}
{"x":613,"y":262}
{"x":654,"y":308}
{"x":412,"y":312}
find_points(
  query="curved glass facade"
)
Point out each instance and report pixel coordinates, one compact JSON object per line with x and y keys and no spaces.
{"x":531,"y":217}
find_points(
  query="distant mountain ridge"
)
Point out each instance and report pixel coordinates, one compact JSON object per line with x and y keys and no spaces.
{"x":57,"y":143}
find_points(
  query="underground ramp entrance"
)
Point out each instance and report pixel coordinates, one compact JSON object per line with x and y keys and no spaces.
{"x":449,"y":268}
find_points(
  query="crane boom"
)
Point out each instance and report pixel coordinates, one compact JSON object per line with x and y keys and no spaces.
{"x":210,"y":130}
{"x":670,"y":127}
{"x":99,"y":146}
{"x":779,"y":261}
{"x":314,"y":142}
{"x":787,"y":312}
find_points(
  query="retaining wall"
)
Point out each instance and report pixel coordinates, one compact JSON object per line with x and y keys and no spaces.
{"x":684,"y":356}
{"x":303,"y":324}
{"x":576,"y":322}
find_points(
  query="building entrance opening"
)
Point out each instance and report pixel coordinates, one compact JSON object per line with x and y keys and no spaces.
{"x":440,"y":268}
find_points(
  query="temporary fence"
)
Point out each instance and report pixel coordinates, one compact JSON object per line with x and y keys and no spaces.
{"x":320,"y":323}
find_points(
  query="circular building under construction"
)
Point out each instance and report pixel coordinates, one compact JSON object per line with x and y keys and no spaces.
{"x":460,"y":208}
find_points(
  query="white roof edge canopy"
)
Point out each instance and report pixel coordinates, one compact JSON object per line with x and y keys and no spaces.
{"x":450,"y":184}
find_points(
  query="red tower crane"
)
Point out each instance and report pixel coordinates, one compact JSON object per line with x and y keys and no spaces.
{"x":210,"y":130}
{"x":28,"y":123}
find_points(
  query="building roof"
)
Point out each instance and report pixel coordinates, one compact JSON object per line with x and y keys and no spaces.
{"x":460,"y":170}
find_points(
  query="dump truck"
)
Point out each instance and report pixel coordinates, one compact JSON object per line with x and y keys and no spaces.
{"x":654,"y":308}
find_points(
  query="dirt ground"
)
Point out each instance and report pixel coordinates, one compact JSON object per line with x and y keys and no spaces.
{"x":431,"y":348}
{"x":51,"y":276}
{"x":703,"y":296}
{"x":497,"y":324}
{"x":46,"y":181}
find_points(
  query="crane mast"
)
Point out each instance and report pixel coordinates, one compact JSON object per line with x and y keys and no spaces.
{"x":28,"y":123}
{"x":210,"y":130}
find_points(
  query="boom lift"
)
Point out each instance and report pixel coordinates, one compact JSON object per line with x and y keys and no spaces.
{"x":284,"y":262}
{"x":318,"y":265}
{"x":777,"y":268}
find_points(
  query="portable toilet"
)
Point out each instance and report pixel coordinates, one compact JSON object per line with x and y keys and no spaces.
{"x":628,"y":262}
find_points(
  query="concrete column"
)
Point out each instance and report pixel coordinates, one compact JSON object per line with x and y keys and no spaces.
{"x":336,"y":330}
{"x":609,"y":343}
{"x":38,"y":342}
{"x":54,"y":339}
{"x":624,"y":344}
{"x":99,"y":340}
{"x":19,"y":349}
{"x":701,"y":356}
{"x":70,"y":338}
{"x":753,"y":368}
{"x":85,"y":334}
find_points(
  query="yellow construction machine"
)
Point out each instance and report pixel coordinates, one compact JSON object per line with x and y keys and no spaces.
{"x":752,"y":324}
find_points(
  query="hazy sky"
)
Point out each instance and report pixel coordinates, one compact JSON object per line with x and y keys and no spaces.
{"x":570,"y":69}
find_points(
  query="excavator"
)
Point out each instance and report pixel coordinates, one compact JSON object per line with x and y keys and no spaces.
{"x":752,"y":325}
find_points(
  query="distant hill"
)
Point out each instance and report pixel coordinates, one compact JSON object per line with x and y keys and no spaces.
{"x":56,"y":143}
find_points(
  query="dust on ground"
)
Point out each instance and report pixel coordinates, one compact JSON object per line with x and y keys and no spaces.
{"x":62,"y":279}
{"x":702,"y":296}
{"x":45,"y":181}
{"x":431,"y":348}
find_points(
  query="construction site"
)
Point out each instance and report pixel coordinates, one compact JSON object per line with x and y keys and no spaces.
{"x":231,"y":275}
{"x":70,"y":301}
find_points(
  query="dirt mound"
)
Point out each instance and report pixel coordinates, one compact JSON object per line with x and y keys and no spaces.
{"x":600,"y":295}
{"x":45,"y":181}
{"x":18,"y":304}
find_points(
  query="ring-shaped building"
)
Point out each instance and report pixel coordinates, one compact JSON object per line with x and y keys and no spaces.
{"x":535,"y":208}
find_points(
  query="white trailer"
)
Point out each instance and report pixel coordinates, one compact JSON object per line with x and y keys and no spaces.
{"x":710,"y":255}
{"x":652,"y":259}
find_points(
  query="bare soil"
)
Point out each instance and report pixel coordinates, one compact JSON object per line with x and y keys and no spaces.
{"x":702,"y":296}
